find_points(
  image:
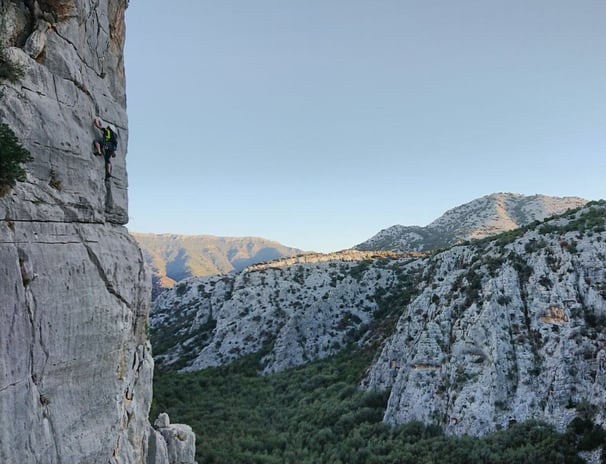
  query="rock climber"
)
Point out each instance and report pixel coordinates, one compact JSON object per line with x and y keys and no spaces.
{"x":106,"y":145}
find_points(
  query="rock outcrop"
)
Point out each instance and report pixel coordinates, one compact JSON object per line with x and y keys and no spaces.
{"x":504,"y":330}
{"x":75,"y":363}
{"x":483,"y":217}
{"x":180,"y":440}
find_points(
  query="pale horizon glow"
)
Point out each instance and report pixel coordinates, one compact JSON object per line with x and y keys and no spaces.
{"x":318,"y":124}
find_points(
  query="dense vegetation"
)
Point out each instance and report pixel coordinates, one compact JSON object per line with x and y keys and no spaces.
{"x":12,"y":155}
{"x":317,"y":414}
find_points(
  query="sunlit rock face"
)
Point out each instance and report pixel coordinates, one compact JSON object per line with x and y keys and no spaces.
{"x":505,"y":330}
{"x":293,"y":310}
{"x":480,"y":218}
{"x":75,"y":362}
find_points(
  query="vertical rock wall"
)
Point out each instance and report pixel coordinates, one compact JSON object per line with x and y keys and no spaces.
{"x":75,"y":362}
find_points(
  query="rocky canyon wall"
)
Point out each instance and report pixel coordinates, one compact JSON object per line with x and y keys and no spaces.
{"x":75,"y":362}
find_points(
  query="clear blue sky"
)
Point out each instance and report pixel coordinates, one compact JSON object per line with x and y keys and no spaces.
{"x":318,"y":123}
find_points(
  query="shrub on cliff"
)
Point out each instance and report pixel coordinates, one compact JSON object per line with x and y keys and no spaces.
{"x":12,"y":156}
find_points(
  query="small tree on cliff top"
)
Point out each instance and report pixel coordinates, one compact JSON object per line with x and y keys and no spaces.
{"x":12,"y":155}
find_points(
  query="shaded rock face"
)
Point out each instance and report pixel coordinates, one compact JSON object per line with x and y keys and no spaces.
{"x":75,"y":362}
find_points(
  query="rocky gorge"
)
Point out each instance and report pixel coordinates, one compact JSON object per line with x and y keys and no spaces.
{"x":472,"y":338}
{"x":75,"y":361}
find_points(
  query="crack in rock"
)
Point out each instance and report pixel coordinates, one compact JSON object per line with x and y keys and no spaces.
{"x":108,"y":285}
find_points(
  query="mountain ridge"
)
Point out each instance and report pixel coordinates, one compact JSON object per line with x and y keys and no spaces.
{"x":479,"y":218}
{"x":174,"y":257}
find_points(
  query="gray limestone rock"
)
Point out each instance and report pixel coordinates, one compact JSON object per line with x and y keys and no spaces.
{"x":157,"y":452}
{"x":180,"y":443}
{"x":503,"y":331}
{"x":75,"y":363}
{"x":37,"y":40}
{"x":76,"y":368}
{"x":303,"y":311}
{"x":162,"y":421}
{"x":180,"y":440}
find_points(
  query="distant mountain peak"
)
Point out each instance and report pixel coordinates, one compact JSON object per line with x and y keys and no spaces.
{"x":174,"y":257}
{"x":479,"y":218}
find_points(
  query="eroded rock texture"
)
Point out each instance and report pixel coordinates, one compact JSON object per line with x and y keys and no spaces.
{"x":75,"y":362}
{"x":506,"y":330}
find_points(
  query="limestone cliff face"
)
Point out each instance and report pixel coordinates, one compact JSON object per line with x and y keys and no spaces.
{"x":77,"y":76}
{"x":293,"y":313}
{"x":75,"y":362}
{"x":506,"y":330}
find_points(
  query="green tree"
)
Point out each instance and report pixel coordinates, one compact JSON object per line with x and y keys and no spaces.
{"x":12,"y":155}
